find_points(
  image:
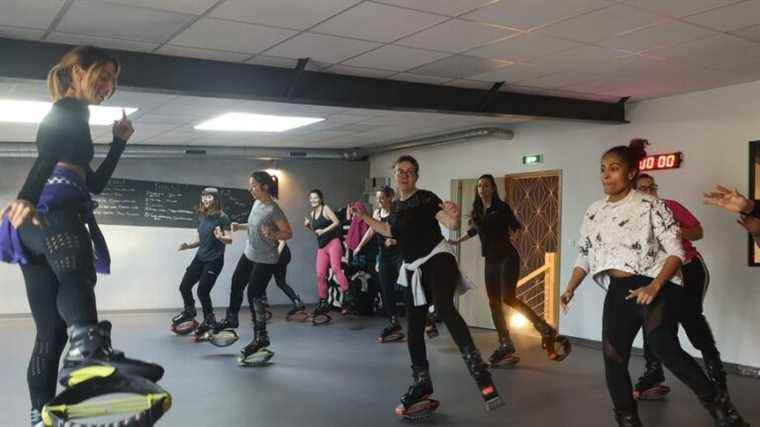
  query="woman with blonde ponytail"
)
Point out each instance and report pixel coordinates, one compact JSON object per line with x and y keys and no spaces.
{"x":51,"y":231}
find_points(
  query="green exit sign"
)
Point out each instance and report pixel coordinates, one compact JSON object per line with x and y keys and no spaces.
{"x":533,"y":159}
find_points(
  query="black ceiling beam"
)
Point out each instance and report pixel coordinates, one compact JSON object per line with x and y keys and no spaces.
{"x":188,"y":76}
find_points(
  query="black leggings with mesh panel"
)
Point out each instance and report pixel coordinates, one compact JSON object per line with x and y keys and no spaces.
{"x":622,"y":320}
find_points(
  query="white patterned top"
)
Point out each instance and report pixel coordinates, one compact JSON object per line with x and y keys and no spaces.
{"x":636,"y":235}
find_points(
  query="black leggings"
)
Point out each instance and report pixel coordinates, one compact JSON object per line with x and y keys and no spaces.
{"x":60,"y":281}
{"x":389,"y":269}
{"x":691,"y":315}
{"x":501,"y":285}
{"x":622,"y":320}
{"x":204,"y":273}
{"x":440,"y":276}
{"x":280,"y":272}
{"x":258,"y":276}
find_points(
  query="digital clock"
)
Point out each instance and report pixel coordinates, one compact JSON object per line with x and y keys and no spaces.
{"x":657,"y":162}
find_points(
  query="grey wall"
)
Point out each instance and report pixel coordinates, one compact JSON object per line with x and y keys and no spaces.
{"x":146,"y":266}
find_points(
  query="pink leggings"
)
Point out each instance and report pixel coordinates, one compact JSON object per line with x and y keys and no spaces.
{"x":330,"y":256}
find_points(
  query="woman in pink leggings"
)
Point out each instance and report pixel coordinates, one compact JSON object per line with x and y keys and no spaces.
{"x":325,"y":224}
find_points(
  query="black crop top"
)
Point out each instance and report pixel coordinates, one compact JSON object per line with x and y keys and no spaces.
{"x":494,"y":230}
{"x":321,"y":222}
{"x":64,"y":136}
{"x":414,"y":225}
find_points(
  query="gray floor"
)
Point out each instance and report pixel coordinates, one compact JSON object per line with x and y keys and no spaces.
{"x":337,"y":376}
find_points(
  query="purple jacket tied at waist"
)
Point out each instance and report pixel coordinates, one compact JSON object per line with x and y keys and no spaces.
{"x":64,"y":190}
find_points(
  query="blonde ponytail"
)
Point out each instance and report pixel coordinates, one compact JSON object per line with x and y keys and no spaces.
{"x":88,"y":58}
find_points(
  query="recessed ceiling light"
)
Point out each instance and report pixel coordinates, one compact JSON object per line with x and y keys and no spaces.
{"x":245,"y":122}
{"x":34,"y":111}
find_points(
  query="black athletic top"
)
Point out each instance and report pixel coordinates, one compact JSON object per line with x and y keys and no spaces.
{"x":414,"y":225}
{"x":494,"y":230}
{"x":323,"y":222}
{"x":210,"y":247}
{"x":386,"y":252}
{"x":64,"y":136}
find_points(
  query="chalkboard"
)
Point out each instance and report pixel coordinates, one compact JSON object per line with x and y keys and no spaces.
{"x":163,"y":204}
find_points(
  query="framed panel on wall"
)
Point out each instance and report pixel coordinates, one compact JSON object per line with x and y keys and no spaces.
{"x":754,"y":192}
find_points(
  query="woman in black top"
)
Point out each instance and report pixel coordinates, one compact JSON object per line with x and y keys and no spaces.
{"x":45,"y":226}
{"x":493,"y":220}
{"x":213,"y":235}
{"x":323,"y":222}
{"x":733,"y":201}
{"x":389,"y":263}
{"x":432,"y":276}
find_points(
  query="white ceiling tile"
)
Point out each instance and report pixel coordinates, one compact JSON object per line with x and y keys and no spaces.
{"x":143,"y":101}
{"x":29,"y":13}
{"x":678,"y":8}
{"x":377,"y":22}
{"x":456,"y":36}
{"x":513,"y":73}
{"x":470,"y":84}
{"x":602,"y":24}
{"x":586,"y":58}
{"x":21,"y":33}
{"x":416,"y":78}
{"x":192,"y":52}
{"x":262,"y":107}
{"x":729,"y":18}
{"x":524,"y":47}
{"x":145,"y":131}
{"x":663,"y":34}
{"x":459,"y":66}
{"x":198,"y":107}
{"x":397,"y":58}
{"x":527,"y":14}
{"x":720,"y":52}
{"x":443,"y":7}
{"x":359,"y":71}
{"x":30,"y":90}
{"x":559,"y":80}
{"x":195,"y":7}
{"x":273,"y":61}
{"x":329,"y":49}
{"x":18,"y":132}
{"x":751,"y":33}
{"x":97,"y":18}
{"x":296,"y":14}
{"x":104,"y":42}
{"x":156,"y":119}
{"x":174,"y":138}
{"x":231,"y":36}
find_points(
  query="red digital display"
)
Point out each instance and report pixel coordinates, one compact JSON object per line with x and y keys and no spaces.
{"x":657,"y":162}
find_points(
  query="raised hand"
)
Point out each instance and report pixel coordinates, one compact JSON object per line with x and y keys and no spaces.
{"x":730,"y":200}
{"x":123,"y":129}
{"x":182,"y":247}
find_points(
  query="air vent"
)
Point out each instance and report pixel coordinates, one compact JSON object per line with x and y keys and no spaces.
{"x":195,"y":152}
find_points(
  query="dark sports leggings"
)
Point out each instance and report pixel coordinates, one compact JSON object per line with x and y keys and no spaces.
{"x":389,"y":269}
{"x":691,"y":315}
{"x":501,"y":284}
{"x":281,"y":271}
{"x":258,"y":276}
{"x":440,"y":276}
{"x":622,"y":320}
{"x":60,"y":281}
{"x":204,"y":273}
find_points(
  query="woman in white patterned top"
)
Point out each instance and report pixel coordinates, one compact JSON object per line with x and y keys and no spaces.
{"x":630,"y":243}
